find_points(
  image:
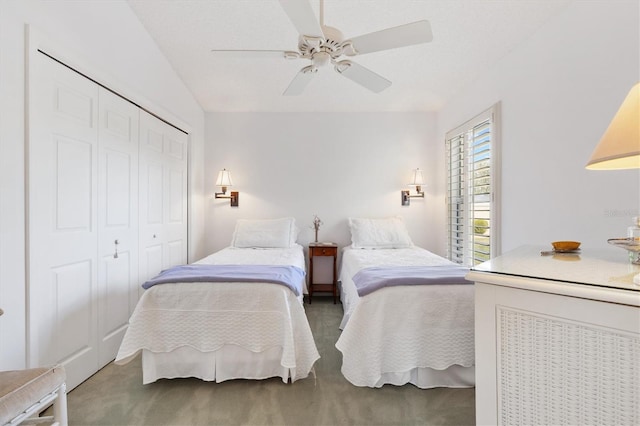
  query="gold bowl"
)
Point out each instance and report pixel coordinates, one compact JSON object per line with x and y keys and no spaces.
{"x":565,"y":245}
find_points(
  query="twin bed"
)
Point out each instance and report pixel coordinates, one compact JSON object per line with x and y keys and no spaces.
{"x":228,"y":330}
{"x":252,"y":328}
{"x":420,"y":328}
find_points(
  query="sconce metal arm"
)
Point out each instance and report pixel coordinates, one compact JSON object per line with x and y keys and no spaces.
{"x":233,"y":196}
{"x":420,"y":192}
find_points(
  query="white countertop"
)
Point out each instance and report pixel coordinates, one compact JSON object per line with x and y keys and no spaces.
{"x":596,"y":268}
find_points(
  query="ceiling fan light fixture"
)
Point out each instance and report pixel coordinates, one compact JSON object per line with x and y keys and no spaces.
{"x":320,"y":59}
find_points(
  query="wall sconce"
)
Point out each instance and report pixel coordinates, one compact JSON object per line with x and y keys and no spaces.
{"x":224,"y":181}
{"x":417,"y":181}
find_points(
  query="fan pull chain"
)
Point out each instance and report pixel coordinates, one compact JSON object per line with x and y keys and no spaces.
{"x":321,"y":13}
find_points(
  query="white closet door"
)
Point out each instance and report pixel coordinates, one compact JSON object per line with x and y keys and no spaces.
{"x":62,"y":219}
{"x":163,"y":196}
{"x":117,"y":220}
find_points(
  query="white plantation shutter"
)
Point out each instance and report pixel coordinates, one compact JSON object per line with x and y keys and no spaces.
{"x":455,"y":198}
{"x":472,"y":190}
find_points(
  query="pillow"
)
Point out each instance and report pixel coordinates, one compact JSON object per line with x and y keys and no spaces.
{"x":380,"y":233}
{"x":270,"y":233}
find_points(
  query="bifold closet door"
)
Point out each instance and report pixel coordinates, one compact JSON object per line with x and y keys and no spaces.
{"x":62,"y":157}
{"x":163,"y":196}
{"x":107,"y":209}
{"x":118,"y":134}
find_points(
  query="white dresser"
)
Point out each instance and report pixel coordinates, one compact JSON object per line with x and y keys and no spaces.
{"x":557,"y":338}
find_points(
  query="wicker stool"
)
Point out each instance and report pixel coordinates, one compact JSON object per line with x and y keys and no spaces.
{"x":25,"y":393}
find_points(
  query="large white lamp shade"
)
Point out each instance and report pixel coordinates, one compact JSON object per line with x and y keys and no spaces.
{"x":619,"y":147}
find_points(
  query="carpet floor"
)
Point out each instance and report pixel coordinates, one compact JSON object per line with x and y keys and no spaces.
{"x":115,"y":395}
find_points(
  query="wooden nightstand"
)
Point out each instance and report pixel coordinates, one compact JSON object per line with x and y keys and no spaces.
{"x":323,"y":249}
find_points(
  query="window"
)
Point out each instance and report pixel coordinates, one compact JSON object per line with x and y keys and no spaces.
{"x":472,"y":190}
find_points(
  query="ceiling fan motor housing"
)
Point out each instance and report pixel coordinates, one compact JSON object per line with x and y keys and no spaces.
{"x":322,"y":50}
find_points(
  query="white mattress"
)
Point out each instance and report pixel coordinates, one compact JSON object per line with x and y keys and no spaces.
{"x":221,"y":331}
{"x":422,"y":335}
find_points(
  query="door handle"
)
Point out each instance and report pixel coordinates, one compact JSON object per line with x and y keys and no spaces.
{"x":1,"y":312}
{"x":115,"y":255}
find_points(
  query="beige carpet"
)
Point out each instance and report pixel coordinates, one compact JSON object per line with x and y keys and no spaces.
{"x":115,"y":395}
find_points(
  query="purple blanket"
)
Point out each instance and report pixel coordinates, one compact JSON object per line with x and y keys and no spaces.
{"x":368,"y":280}
{"x":289,"y":276}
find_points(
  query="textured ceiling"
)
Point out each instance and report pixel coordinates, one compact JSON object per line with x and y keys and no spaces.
{"x":468,"y":37}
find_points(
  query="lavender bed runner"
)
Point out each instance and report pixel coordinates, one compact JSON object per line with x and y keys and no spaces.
{"x":289,"y":276}
{"x":368,"y":280}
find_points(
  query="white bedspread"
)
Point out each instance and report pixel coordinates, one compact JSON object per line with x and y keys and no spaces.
{"x":255,"y":317}
{"x":396,"y":330}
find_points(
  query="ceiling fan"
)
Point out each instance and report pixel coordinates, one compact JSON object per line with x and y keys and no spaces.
{"x":322,"y":44}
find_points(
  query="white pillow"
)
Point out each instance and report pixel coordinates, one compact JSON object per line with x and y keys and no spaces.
{"x":389,"y":232}
{"x":269,"y":233}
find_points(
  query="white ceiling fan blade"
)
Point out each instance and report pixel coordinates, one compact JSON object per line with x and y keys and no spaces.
{"x":255,"y":54}
{"x":300,"y":81}
{"x":302,"y":17}
{"x":363,"y":76}
{"x":391,"y":38}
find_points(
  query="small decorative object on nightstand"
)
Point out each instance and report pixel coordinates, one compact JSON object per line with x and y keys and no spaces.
{"x":323,"y":249}
{"x":316,"y":226}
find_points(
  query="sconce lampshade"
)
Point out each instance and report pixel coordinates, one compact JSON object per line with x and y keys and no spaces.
{"x":619,"y":147}
{"x":417,"y":179}
{"x":224,"y":178}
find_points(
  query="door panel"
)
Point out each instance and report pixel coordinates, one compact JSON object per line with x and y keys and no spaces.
{"x":163,"y":201}
{"x":115,"y":310}
{"x":176,"y":252}
{"x":154,"y":194}
{"x":62,"y":160}
{"x":118,"y":279}
{"x":153,"y":261}
{"x":176,"y":147}
{"x":71,"y":284}
{"x":74,"y":105}
{"x":176,"y":197}
{"x":73,"y":180}
{"x":117,"y":175}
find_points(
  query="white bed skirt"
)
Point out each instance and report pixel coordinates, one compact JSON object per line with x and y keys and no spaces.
{"x":227,"y":363}
{"x":455,"y":376}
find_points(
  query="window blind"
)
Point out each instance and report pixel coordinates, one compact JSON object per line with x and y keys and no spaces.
{"x":471,"y":178}
{"x":455,"y":197}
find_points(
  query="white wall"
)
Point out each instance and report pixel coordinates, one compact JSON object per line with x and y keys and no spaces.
{"x":106,"y":40}
{"x":558,"y":93}
{"x":334,"y":165}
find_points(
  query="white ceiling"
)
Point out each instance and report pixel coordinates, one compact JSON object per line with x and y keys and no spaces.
{"x":468,"y":36}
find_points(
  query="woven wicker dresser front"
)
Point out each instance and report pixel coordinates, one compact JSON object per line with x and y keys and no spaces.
{"x":556,"y":352}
